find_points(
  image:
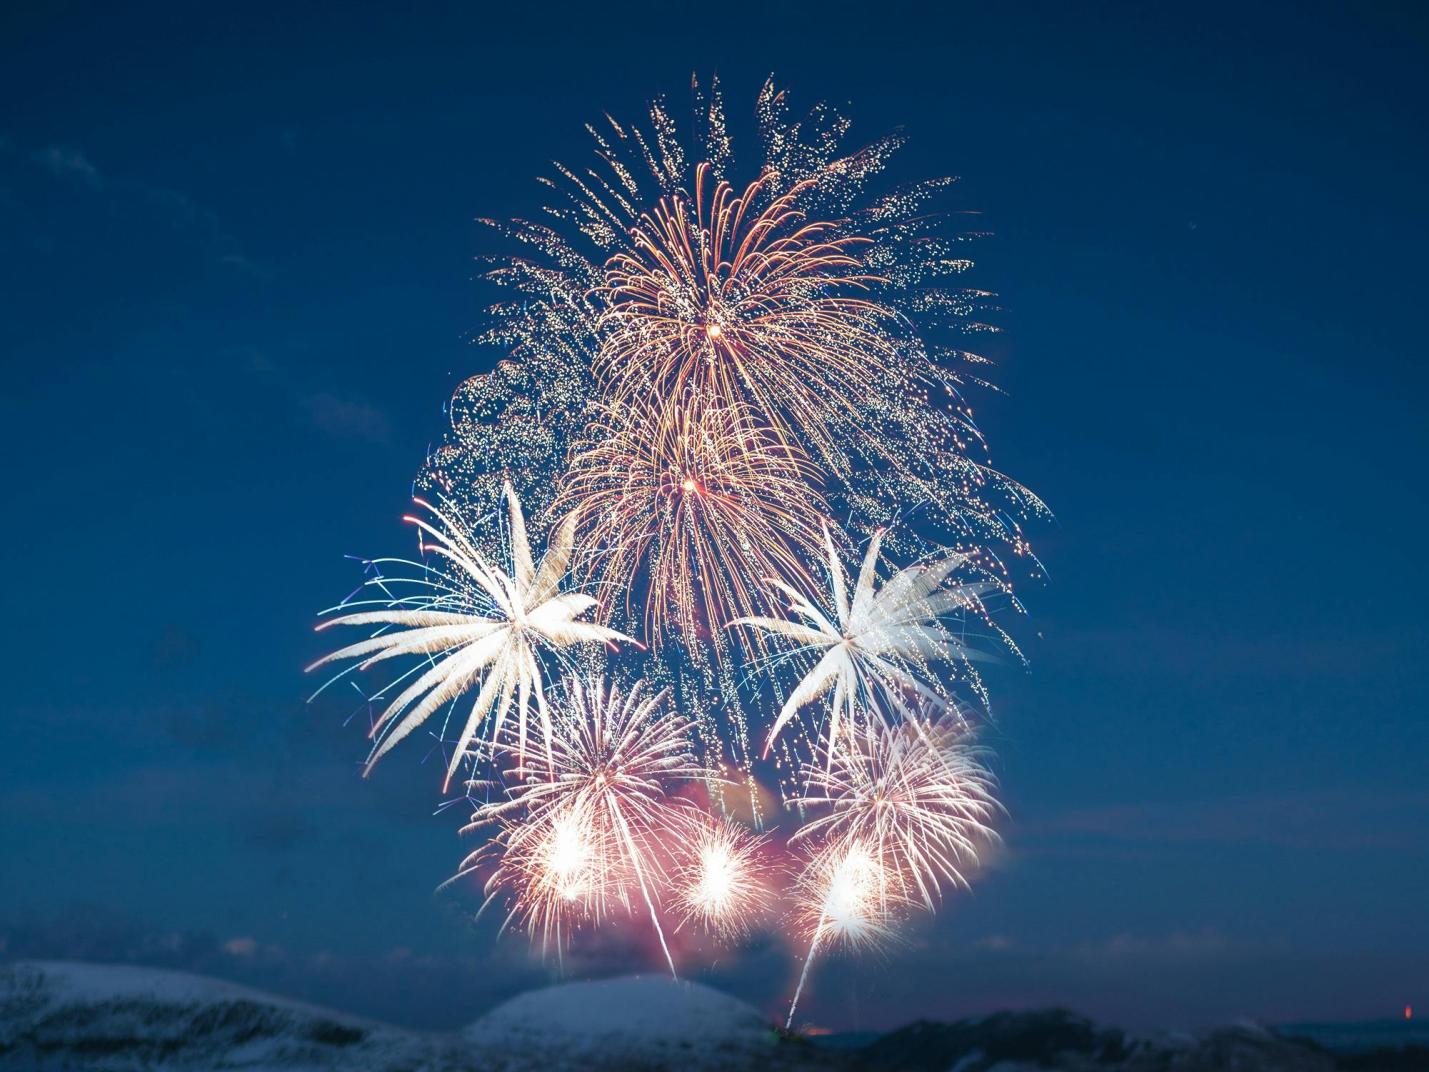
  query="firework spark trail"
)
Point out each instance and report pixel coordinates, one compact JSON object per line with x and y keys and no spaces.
{"x":905,"y":810}
{"x":634,"y":856}
{"x":844,"y":889}
{"x":804,"y":975}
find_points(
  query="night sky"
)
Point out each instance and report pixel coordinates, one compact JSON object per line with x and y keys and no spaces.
{"x":237,"y":287}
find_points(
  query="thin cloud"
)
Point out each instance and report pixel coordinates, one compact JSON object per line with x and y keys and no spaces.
{"x":167,"y":206}
{"x":337,"y":416}
{"x":1320,"y":820}
{"x":345,"y":418}
{"x":69,"y":164}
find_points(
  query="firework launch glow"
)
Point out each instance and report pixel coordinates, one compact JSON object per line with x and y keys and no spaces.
{"x":713,"y":392}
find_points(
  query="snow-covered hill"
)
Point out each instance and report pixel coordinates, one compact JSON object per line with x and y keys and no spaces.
{"x":57,"y":1014}
{"x":636,"y":1022}
{"x":1057,"y":1040}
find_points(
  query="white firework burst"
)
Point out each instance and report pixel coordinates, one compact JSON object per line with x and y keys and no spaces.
{"x":918,"y":797}
{"x":599,"y":826}
{"x":875,"y":651}
{"x":474,"y":623}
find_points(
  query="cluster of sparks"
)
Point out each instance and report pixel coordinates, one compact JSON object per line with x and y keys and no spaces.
{"x":714,"y":396}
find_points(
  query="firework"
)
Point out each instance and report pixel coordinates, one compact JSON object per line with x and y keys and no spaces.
{"x":697,"y":373}
{"x":916,"y":796}
{"x":875,"y":650}
{"x":553,"y":869}
{"x":722,"y":884}
{"x":842,"y":898}
{"x":811,"y":310}
{"x":904,"y":810}
{"x":740,"y":298}
{"x":692,"y":505}
{"x":596,"y":828}
{"x":472,"y":622}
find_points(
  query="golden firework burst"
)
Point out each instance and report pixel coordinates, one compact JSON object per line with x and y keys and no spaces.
{"x":691,"y":505}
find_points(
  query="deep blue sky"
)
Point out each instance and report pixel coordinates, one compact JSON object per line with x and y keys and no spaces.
{"x":235,"y":291}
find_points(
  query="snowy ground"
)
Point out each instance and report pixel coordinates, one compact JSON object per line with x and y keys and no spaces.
{"x":65,"y":1015}
{"x":62,"y":1015}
